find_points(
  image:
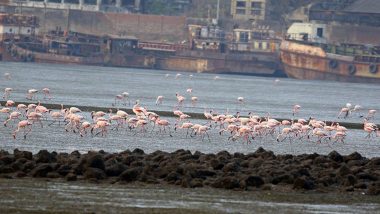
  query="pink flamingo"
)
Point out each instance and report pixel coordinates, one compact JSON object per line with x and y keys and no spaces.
{"x":83,"y":128}
{"x":194,"y":101}
{"x":164,"y":124}
{"x":346,"y":111}
{"x":56,"y":116}
{"x":180,"y":100}
{"x":339,"y":136}
{"x":31,"y":94}
{"x":102,"y":125}
{"x":12,"y":116}
{"x":24,"y":125}
{"x":46,"y":92}
{"x":186,"y":126}
{"x":285,"y":133}
{"x":10,"y":103}
{"x":296,"y":109}
{"x":7,"y":93}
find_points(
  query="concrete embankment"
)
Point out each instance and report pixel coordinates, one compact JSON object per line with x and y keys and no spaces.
{"x":261,"y":170}
{"x":164,"y":113}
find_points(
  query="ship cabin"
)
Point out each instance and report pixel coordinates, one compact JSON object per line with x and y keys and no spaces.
{"x":17,"y":27}
{"x":121,"y":44}
{"x":207,"y":38}
{"x":307,"y":32}
{"x":319,"y":35}
{"x":71,"y":43}
{"x":260,"y":39}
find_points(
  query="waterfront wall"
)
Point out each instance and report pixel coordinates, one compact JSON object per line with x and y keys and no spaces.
{"x":145,"y":27}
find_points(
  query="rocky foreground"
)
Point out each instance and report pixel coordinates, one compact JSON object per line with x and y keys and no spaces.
{"x":259,"y":170}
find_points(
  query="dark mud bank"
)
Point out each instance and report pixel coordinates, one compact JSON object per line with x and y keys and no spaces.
{"x":259,"y":170}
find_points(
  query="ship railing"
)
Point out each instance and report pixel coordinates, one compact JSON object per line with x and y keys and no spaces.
{"x":162,"y":46}
{"x":367,"y":58}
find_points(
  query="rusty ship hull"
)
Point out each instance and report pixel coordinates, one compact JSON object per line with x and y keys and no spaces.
{"x":26,"y":55}
{"x":308,"y":62}
{"x":260,"y":64}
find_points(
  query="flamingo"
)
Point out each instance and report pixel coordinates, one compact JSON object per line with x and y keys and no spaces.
{"x":320,"y":134}
{"x":7,"y":76}
{"x":23,"y":125}
{"x":346,"y":111}
{"x":117,"y":97}
{"x":7,"y":93}
{"x":240,"y":100}
{"x":10,"y":103}
{"x":46,"y":92}
{"x":12,"y":116}
{"x":208,"y":115}
{"x":285,"y":133}
{"x":31,"y":94}
{"x":186,"y":126}
{"x":125,"y":96}
{"x":102,"y":125}
{"x":74,"y":110}
{"x":95,"y":115}
{"x":194,"y":101}
{"x":159,"y":100}
{"x":56,"y":116}
{"x":339,"y":136}
{"x":5,"y":110}
{"x":369,"y":130}
{"x":35,"y":117}
{"x":180,"y":99}
{"x":163,"y":123}
{"x":202,"y":130}
{"x":296,"y":109}
{"x":83,"y":128}
{"x":138,"y":110}
{"x":371,"y":114}
{"x":122,"y":114}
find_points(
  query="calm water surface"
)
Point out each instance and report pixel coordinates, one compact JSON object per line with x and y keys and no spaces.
{"x":97,"y":86}
{"x":56,"y":196}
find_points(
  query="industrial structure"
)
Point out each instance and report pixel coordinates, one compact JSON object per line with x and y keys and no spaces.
{"x":248,"y":9}
{"x":86,"y":5}
{"x":118,"y":6}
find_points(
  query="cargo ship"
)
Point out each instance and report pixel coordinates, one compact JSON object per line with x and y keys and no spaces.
{"x":307,"y":54}
{"x":19,"y":42}
{"x":208,"y":49}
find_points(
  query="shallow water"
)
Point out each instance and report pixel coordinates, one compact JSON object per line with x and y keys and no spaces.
{"x":97,"y":86}
{"x":55,"y":196}
{"x":55,"y":138}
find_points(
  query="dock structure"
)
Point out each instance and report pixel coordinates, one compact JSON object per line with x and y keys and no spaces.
{"x":86,"y":5}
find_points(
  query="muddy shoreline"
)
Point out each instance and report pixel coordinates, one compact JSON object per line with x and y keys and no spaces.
{"x":257,"y":171}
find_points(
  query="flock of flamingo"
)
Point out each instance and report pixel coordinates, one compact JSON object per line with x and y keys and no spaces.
{"x":22,"y":118}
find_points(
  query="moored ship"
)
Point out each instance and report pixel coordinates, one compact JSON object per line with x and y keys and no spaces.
{"x":208,"y":49}
{"x":338,"y":41}
{"x":308,"y":58}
